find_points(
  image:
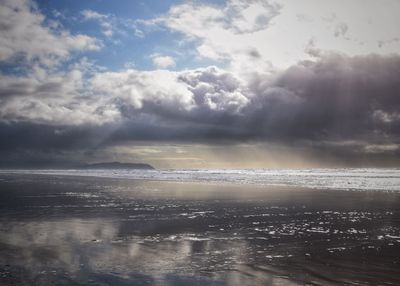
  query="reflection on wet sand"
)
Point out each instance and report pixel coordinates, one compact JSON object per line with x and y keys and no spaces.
{"x":78,"y":251}
{"x":68,"y":231}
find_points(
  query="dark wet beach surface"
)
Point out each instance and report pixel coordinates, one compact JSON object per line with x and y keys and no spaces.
{"x":57,"y":230}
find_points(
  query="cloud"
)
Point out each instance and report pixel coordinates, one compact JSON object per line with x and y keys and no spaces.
{"x":227,"y":33}
{"x":163,"y":62}
{"x":107,"y":22}
{"x":57,"y":98}
{"x":113,"y":26}
{"x":93,"y":15}
{"x":177,"y":96}
{"x":280,"y":30}
{"x":24,"y":33}
{"x":336,"y":97}
{"x":341,"y":30}
{"x":136,"y":89}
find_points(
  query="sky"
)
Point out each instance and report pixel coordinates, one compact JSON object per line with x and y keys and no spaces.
{"x":200,"y":84}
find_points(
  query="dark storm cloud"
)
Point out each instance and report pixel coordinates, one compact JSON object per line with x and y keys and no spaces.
{"x":338,"y":105}
{"x":335,"y":98}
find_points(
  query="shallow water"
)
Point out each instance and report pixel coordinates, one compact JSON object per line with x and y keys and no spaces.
{"x":68,"y":230}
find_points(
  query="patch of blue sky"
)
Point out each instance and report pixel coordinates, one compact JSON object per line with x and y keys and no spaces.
{"x":125,"y":48}
{"x":15,"y":66}
{"x":121,"y":8}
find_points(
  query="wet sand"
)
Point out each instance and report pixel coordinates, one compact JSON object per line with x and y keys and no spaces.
{"x":57,"y":230}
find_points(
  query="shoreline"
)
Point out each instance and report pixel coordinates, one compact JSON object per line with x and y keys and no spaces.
{"x":345,"y":183}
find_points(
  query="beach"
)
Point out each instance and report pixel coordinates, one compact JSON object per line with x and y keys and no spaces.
{"x":87,"y":230}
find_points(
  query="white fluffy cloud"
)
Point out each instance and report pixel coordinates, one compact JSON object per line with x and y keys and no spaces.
{"x":66,"y":98}
{"x":180,"y":92}
{"x":77,"y":97}
{"x":136,"y":88}
{"x":93,"y":15}
{"x":249,"y":34}
{"x":53,"y":98}
{"x":23,"y":32}
{"x":163,"y":62}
